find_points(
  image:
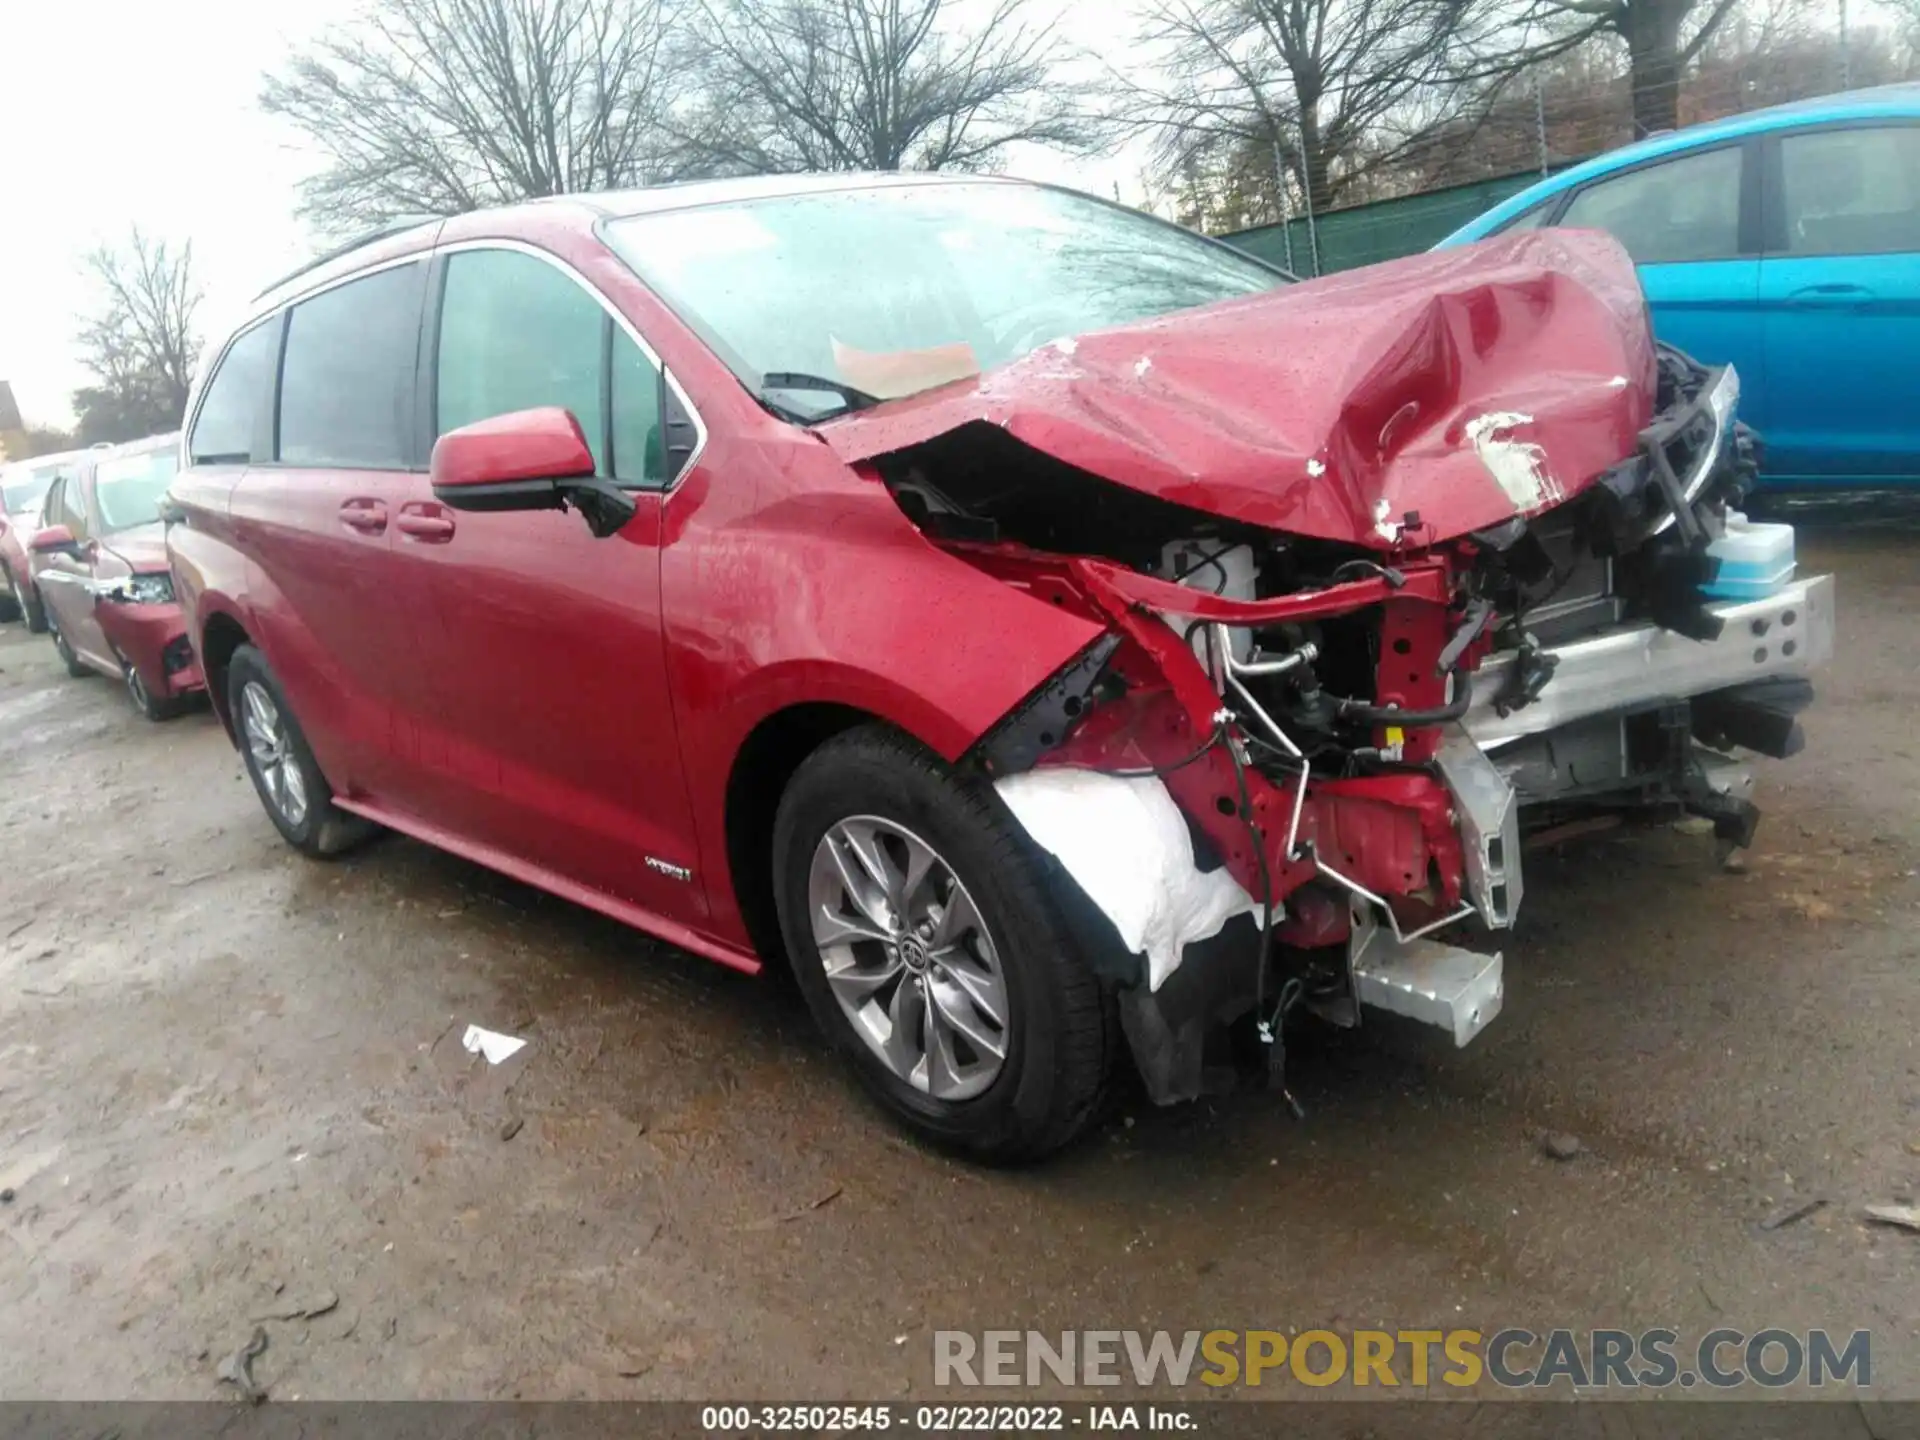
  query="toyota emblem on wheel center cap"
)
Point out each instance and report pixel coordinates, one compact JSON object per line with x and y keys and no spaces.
{"x":914,"y":953}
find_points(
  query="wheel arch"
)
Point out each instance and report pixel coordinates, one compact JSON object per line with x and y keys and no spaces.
{"x":222,"y":634}
{"x":773,"y":750}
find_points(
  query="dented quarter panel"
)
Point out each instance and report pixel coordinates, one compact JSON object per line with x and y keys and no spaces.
{"x":1464,"y":386}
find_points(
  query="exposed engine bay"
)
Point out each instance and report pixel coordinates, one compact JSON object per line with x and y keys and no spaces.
{"x":1357,"y":733}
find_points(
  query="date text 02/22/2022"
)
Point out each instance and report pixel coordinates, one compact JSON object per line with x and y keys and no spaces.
{"x":948,"y":1419}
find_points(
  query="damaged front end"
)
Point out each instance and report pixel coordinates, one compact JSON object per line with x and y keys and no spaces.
{"x":1292,"y":759}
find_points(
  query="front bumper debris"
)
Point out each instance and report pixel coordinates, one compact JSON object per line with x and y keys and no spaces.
{"x":1358,"y":747}
{"x":1425,"y":979}
{"x":1787,"y":634}
{"x":153,"y":639}
{"x":1488,"y":814}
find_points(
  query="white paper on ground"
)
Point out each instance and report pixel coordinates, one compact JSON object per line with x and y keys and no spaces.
{"x":494,"y":1046}
{"x":1126,"y":843}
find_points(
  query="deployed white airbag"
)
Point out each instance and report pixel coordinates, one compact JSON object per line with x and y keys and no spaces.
{"x":1126,"y":843}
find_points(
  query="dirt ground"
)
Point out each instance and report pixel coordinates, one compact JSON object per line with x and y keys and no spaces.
{"x":231,"y":1086}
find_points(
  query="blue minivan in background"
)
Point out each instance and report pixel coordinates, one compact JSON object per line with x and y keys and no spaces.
{"x":1787,"y":242}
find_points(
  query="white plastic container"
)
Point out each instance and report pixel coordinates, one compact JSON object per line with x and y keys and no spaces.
{"x":1229,"y":572}
{"x":1756,"y":559}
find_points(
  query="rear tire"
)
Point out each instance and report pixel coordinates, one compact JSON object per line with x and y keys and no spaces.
{"x":280,"y":763}
{"x":34,"y":609}
{"x":970,"y":958}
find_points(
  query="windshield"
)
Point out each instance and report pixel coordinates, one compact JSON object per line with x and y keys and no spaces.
{"x":25,"y":486}
{"x":128,"y":488}
{"x":889,"y":290}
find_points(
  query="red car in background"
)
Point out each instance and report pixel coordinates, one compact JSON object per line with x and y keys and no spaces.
{"x":1053,"y":633}
{"x":99,"y":565}
{"x":23,"y":488}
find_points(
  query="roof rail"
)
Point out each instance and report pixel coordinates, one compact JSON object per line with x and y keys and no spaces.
{"x":385,"y":232}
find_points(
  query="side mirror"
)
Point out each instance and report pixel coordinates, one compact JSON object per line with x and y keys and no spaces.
{"x":528,"y":460}
{"x":54,"y":540}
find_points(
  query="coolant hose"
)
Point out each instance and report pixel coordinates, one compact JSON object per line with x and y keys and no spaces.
{"x":1388,"y":715}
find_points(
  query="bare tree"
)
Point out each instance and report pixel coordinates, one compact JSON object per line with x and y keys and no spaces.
{"x":139,"y":342}
{"x":1312,"y":92}
{"x":882,"y":85}
{"x":440,"y":106}
{"x":1662,"y":38}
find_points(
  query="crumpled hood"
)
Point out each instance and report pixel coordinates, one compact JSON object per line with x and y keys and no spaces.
{"x":1465,"y":385}
{"x":143,"y":547}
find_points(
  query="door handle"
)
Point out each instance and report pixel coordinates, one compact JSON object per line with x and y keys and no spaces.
{"x":429,"y":524}
{"x":1830,"y":294}
{"x":368,"y":517}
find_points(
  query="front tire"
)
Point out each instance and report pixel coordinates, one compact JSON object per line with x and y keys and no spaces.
{"x":76,"y":667}
{"x":150,"y":706}
{"x":922,"y":935}
{"x":281,"y":765}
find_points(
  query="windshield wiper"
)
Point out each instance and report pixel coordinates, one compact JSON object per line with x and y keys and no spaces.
{"x":800,"y":380}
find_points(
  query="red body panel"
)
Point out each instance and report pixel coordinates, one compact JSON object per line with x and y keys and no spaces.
{"x":142,"y":634}
{"x":327,"y":603}
{"x":1328,"y":408}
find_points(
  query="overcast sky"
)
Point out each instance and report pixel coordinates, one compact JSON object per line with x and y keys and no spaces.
{"x":124,"y":111}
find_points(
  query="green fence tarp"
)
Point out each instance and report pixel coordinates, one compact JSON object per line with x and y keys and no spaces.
{"x":1384,"y":230}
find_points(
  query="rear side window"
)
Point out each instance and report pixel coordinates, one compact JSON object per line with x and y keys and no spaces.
{"x":53,"y":510}
{"x":1851,"y":192}
{"x":1666,"y":214}
{"x":346,"y":385}
{"x":64,"y":507}
{"x":229,"y":418}
{"x":517,"y":333}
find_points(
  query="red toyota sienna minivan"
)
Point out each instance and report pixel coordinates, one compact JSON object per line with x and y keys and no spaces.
{"x":1049,"y":631}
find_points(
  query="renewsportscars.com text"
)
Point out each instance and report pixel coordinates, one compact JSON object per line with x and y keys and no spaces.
{"x":1511,"y":1358}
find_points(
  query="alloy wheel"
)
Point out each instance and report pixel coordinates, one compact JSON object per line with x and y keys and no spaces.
{"x":909,"y":958}
{"x":270,"y":747}
{"x":137,"y":688}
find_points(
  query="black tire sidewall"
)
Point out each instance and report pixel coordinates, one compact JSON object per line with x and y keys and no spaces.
{"x":76,"y":667}
{"x":150,"y":706}
{"x":248,"y":664}
{"x":876,"y":773}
